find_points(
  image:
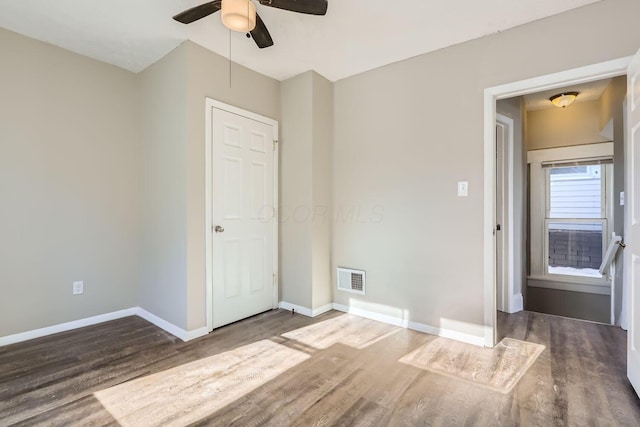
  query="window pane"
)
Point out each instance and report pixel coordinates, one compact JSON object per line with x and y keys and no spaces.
{"x":568,"y":170}
{"x":575,"y":192}
{"x":575,"y":248}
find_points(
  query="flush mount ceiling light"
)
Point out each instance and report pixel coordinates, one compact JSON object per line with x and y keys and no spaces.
{"x":564,"y":99}
{"x":238,"y":15}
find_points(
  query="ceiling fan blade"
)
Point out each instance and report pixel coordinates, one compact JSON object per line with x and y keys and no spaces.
{"x":198,"y":12}
{"x":310,"y":7}
{"x":260,"y":34}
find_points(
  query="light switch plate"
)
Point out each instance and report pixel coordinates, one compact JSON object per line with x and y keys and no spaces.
{"x":622,"y":198}
{"x":78,"y":287}
{"x":463,"y":188}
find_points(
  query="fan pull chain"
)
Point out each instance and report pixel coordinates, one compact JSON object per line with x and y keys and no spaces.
{"x":229,"y":59}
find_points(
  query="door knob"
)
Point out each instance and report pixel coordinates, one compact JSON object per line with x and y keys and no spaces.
{"x":218,"y":229}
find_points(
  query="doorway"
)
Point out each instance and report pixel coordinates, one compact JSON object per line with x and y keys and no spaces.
{"x":241,"y":196}
{"x":566,"y":78}
{"x":568,"y":154}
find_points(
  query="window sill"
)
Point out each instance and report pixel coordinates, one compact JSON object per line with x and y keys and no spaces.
{"x":574,"y":284}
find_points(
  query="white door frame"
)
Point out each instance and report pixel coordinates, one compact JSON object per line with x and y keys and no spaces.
{"x":603,"y":70}
{"x":210,"y":104}
{"x":508,"y":220}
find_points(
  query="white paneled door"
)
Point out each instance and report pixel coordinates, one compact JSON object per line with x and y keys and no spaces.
{"x":243,"y":232}
{"x":632,"y":219}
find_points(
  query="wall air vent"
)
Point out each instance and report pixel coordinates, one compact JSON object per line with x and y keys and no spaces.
{"x":351,"y":280}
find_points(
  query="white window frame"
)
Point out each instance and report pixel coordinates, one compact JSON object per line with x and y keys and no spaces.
{"x":540,"y":205}
{"x":604,"y":219}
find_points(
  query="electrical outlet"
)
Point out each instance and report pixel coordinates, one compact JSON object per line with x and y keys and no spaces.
{"x":78,"y":287}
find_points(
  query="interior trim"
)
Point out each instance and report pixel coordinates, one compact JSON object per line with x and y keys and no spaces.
{"x":101,"y":318}
{"x":416,"y":326}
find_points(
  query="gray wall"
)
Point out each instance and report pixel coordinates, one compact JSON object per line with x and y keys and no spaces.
{"x":68,"y":184}
{"x":407,"y":132}
{"x":103,"y":178}
{"x":561,"y":127}
{"x":322,"y":187}
{"x":295,"y":190}
{"x":306,"y":184}
{"x":172,"y":99}
{"x":404,"y":135}
{"x":163,"y":134}
{"x":208,"y":76}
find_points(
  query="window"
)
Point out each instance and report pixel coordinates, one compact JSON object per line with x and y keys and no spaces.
{"x":570,"y":217}
{"x":576,"y":219}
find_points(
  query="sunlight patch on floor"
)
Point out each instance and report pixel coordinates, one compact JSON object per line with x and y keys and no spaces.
{"x":190,"y":392}
{"x":499,"y":368}
{"x":345,"y":329}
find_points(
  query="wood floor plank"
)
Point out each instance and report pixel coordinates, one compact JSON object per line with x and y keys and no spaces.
{"x":87,"y":360}
{"x":348,"y":373}
{"x":335,"y":404}
{"x":295,"y":392}
{"x":362,"y":413}
{"x":86,"y":411}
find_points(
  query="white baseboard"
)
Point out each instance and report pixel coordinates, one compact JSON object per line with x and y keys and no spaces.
{"x":321,"y":310}
{"x":196,"y":333}
{"x":416,"y":326}
{"x":384,"y":318}
{"x":305,"y":311}
{"x":298,"y":308}
{"x":170,"y":327}
{"x":94,"y":320}
{"x":517,"y":303}
{"x":63,"y":327}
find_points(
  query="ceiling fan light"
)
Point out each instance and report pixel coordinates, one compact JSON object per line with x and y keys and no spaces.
{"x":563,"y":100}
{"x":238,"y":15}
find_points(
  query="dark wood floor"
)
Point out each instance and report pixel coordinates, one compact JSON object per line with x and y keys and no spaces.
{"x":69,"y":378}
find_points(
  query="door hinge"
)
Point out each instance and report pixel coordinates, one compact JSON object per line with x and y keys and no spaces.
{"x":274,"y":279}
{"x":275,"y":144}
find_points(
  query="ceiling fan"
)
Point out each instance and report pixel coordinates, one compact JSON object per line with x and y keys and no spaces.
{"x":241,"y":16}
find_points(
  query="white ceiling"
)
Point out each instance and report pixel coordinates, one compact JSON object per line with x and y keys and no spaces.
{"x":355,"y":36}
{"x":587,"y":92}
